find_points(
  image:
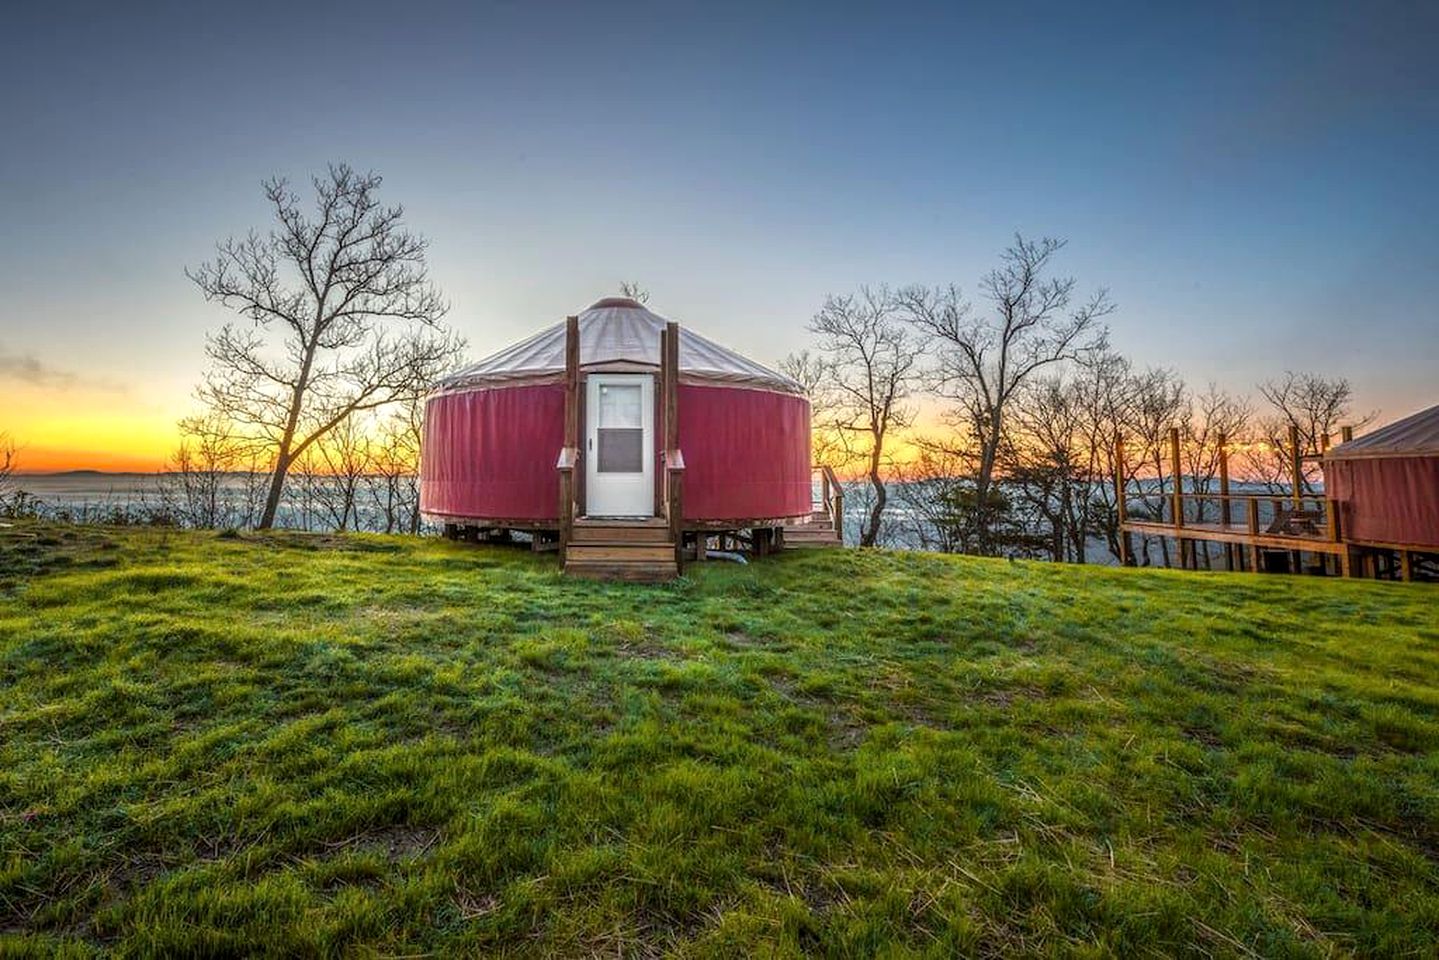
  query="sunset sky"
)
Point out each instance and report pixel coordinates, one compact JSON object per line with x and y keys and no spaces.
{"x":1256,"y":188}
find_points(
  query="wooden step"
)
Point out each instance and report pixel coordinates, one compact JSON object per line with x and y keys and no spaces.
{"x":619,"y":550}
{"x":616,"y":533}
{"x":816,"y":534}
{"x":809,"y":528}
{"x":643,"y":571}
{"x":621,"y":522}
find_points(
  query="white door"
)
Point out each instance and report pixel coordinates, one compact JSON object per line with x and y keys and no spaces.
{"x":620,"y":446}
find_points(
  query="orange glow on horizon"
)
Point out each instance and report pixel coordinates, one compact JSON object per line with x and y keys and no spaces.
{"x":58,"y":460}
{"x":57,"y":430}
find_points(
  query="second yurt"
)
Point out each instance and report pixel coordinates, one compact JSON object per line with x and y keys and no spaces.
{"x":1386,"y":484}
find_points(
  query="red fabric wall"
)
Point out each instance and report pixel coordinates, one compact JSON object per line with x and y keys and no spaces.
{"x":1387,"y":500}
{"x":746,"y":453}
{"x":491,"y":453}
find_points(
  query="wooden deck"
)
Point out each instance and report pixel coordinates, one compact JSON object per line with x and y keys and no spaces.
{"x":1237,"y":533}
{"x":1252,"y":527}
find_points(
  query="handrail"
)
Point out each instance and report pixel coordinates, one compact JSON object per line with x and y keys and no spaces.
{"x":1197,"y":495}
{"x":674,"y":498}
{"x":1286,"y":505}
{"x":566,"y":463}
{"x":832,"y":495}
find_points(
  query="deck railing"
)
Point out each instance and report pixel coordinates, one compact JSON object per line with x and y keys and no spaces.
{"x":1303,"y":516}
{"x":674,"y":501}
{"x":831,"y":497}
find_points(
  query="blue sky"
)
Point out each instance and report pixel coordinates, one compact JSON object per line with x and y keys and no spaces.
{"x":1254,"y":186}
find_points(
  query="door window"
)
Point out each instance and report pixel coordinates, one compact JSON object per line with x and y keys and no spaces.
{"x":619,"y":431}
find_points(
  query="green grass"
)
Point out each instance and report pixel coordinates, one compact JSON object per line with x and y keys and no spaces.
{"x":371,"y":746}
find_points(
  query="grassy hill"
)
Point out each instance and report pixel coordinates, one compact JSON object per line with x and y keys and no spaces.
{"x":317,"y":745}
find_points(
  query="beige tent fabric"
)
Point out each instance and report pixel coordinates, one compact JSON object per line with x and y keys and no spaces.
{"x":1416,"y":435}
{"x":616,"y":330}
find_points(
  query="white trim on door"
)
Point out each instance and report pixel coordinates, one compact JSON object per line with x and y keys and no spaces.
{"x":619,"y":445}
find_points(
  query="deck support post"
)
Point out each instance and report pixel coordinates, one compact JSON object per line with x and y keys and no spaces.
{"x":672,"y":498}
{"x":1406,"y":566}
{"x":1121,"y":509}
{"x":1174,"y":468}
{"x":1177,"y":495}
{"x":1296,"y":468}
{"x":1224,"y":514}
{"x":569,"y":457}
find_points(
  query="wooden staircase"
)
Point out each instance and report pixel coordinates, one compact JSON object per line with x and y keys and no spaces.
{"x":818,"y":532}
{"x":638,"y":550}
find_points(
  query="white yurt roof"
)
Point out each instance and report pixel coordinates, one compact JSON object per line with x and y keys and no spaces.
{"x":616,"y":330}
{"x":1417,"y":435}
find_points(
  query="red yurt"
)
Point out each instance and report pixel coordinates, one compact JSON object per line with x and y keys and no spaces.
{"x":495,"y":431}
{"x":1386,"y":484}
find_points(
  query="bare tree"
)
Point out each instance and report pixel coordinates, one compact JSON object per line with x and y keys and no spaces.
{"x":1050,"y":461}
{"x":1158,"y":399}
{"x":827,"y":445}
{"x":342,"y":319}
{"x":210,"y":478}
{"x":1313,"y":404}
{"x":1205,"y":418}
{"x":867,"y":369}
{"x":1104,"y":389}
{"x":932,"y":489}
{"x":983,"y":362}
{"x":394,"y":477}
{"x":344,"y":459}
{"x":9,"y":463}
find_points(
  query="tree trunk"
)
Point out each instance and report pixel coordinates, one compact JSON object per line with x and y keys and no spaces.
{"x":272,"y":498}
{"x":871,"y":528}
{"x":988,"y":455}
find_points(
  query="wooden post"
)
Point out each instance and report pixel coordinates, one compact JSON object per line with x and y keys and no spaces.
{"x":1121,"y":508}
{"x":839,"y":512}
{"x":676,"y":480}
{"x":1296,"y":467}
{"x":674,"y":499}
{"x":1406,"y":566}
{"x":572,"y":382}
{"x":672,"y":367}
{"x":569,"y":454}
{"x":1224,"y":479}
{"x":567,"y":506}
{"x":1174,"y":473}
{"x":1251,"y":520}
{"x":1225,"y":517}
{"x":662,"y":487}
